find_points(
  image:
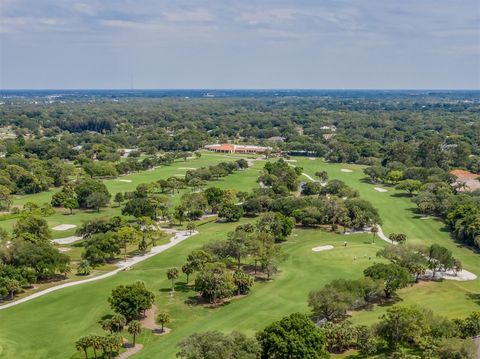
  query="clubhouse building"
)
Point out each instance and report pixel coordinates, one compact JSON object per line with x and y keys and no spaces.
{"x":230,"y":148}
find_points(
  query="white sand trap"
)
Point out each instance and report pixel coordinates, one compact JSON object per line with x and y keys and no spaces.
{"x":187,"y":168}
{"x":64,"y":227}
{"x":379,"y":189}
{"x":64,"y":249}
{"x":346,"y":170}
{"x":124,"y":180}
{"x":322,"y":248}
{"x":312,"y":158}
{"x":67,"y":240}
{"x":463,"y":275}
{"x":290,"y":161}
{"x":178,"y":175}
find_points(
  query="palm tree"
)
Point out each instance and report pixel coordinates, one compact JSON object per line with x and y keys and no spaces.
{"x":147,"y":226}
{"x":163,"y":318}
{"x":114,"y":343}
{"x":127,"y":235}
{"x":172,"y":274}
{"x":96,"y":343}
{"x":83,"y":344}
{"x":105,"y":345}
{"x":187,"y":269}
{"x":374,"y":231}
{"x":134,"y":328}
{"x":191,"y":226}
{"x":392,"y":237}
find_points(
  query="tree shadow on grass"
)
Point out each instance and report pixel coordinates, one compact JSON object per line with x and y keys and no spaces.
{"x":179,"y":287}
{"x":475,"y":297}
{"x":182,"y":287}
{"x":105,"y":317}
{"x":389,"y":302}
{"x":198,"y":300}
{"x":401,"y":195}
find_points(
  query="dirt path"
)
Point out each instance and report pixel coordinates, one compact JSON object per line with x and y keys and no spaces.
{"x":309,"y":177}
{"x":130,"y":351}
{"x":179,"y":236}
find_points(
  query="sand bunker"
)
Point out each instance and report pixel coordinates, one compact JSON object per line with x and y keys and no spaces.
{"x":290,"y":161}
{"x":379,"y":189}
{"x":346,"y":170}
{"x":64,"y":249}
{"x":463,"y":275}
{"x":64,"y":227}
{"x":67,"y":240}
{"x":124,"y":180}
{"x":322,"y":248}
{"x":187,"y":168}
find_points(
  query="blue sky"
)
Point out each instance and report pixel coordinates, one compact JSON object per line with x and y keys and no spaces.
{"x":240,"y":44}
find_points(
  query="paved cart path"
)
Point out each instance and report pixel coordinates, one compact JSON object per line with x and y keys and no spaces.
{"x":178,"y":237}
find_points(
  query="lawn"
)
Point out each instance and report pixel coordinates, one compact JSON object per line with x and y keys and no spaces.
{"x":63,"y":316}
{"x":48,"y":326}
{"x":241,"y":181}
{"x":450,"y":298}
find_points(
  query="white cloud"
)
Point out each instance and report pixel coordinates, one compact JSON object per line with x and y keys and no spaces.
{"x":198,"y":15}
{"x":84,"y":8}
{"x":268,"y":16}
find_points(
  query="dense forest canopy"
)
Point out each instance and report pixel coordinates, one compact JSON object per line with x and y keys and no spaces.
{"x":362,"y":127}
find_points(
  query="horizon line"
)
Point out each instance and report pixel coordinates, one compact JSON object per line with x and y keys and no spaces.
{"x":244,"y":89}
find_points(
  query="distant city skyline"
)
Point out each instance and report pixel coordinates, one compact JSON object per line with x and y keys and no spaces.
{"x":274,"y":44}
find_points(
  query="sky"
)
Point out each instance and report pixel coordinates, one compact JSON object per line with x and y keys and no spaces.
{"x":311,"y":44}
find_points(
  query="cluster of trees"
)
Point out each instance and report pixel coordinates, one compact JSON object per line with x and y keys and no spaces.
{"x":219,"y":267}
{"x":28,"y":175}
{"x":464,"y":222}
{"x":331,"y":188}
{"x":128,"y":302}
{"x":435,"y":193}
{"x":381,"y":280}
{"x":425,"y":129}
{"x":102,"y":163}
{"x":292,"y":337}
{"x":323,"y":203}
{"x":399,"y":331}
{"x":105,"y":238}
{"x":279,"y":177}
{"x":417,"y":259}
{"x":109,"y":345}
{"x":460,"y":210}
{"x":84,"y":194}
{"x":319,"y":210}
{"x":28,"y":256}
{"x":215,"y":172}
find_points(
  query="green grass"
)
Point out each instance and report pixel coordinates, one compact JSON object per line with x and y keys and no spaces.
{"x":71,"y":313}
{"x":48,"y":326}
{"x":398,"y":212}
{"x":241,"y":181}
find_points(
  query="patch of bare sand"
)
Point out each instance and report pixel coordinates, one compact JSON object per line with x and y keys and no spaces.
{"x":346,"y":170}
{"x":149,"y":322}
{"x":322,"y":248}
{"x":64,"y":227}
{"x":130,"y":351}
